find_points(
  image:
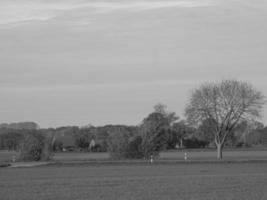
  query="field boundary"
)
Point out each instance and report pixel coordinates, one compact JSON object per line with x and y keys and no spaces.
{"x":127,"y":162}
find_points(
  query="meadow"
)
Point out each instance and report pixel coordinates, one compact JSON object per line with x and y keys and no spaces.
{"x":75,"y":175}
{"x":195,"y":181}
{"x":193,"y":154}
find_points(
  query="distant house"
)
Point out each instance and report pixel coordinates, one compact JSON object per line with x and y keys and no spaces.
{"x":92,"y":144}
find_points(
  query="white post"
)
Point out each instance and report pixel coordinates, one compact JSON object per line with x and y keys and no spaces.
{"x":13,"y":158}
{"x":151,"y":159}
{"x":185,"y":156}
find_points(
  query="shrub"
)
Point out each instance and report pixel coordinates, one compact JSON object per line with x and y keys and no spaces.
{"x":121,"y":146}
{"x":134,"y":148}
{"x":82,"y":142}
{"x":35,"y":147}
{"x":58,"y":145}
{"x":151,"y":139}
{"x":117,"y":144}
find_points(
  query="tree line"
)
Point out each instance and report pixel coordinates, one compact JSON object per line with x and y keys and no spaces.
{"x":217,"y":115}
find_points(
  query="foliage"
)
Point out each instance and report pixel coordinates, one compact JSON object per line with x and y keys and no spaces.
{"x":57,"y":145}
{"x":35,"y":147}
{"x":82,"y":141}
{"x":134,"y":148}
{"x":171,"y":117}
{"x":206,"y":131}
{"x":117,"y":144}
{"x":216,"y":114}
{"x":102,"y":146}
{"x":249,"y":134}
{"x":179,"y":130}
{"x":20,"y":126}
{"x":82,"y":136}
{"x":154,"y":133}
{"x":10,"y":139}
{"x":194,"y":142}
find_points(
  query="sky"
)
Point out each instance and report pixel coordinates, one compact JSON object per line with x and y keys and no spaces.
{"x":79,"y":62}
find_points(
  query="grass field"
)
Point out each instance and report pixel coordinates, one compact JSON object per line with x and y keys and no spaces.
{"x":193,"y":181}
{"x":214,"y":181}
{"x":193,"y":154}
{"x":172,"y":155}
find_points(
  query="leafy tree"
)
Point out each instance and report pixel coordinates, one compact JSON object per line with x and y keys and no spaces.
{"x":11,"y":138}
{"x":225,"y":104}
{"x":83,"y":137}
{"x":149,"y":139}
{"x":154,"y":133}
{"x":82,"y":141}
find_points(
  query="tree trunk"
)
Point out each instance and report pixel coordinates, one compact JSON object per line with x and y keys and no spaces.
{"x":219,"y":151}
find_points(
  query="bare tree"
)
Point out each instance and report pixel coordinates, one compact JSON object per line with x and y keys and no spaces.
{"x":226,"y":104}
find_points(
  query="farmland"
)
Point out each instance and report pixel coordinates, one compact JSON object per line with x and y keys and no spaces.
{"x":174,"y":181}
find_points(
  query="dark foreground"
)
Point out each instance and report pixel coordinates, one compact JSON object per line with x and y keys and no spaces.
{"x":178,"y":181}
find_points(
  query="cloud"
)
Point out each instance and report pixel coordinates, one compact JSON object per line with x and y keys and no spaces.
{"x":15,"y":12}
{"x":95,"y":86}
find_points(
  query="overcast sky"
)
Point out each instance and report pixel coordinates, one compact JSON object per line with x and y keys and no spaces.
{"x":75,"y":62}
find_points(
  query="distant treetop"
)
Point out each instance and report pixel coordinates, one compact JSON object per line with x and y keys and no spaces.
{"x":20,"y":125}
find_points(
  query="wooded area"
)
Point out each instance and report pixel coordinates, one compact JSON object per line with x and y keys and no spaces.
{"x":218,"y":115}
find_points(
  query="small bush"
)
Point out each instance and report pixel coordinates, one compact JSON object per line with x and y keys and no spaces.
{"x":134,"y":148}
{"x":122,"y":146}
{"x":117,"y":145}
{"x":58,"y":145}
{"x":35,"y":147}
